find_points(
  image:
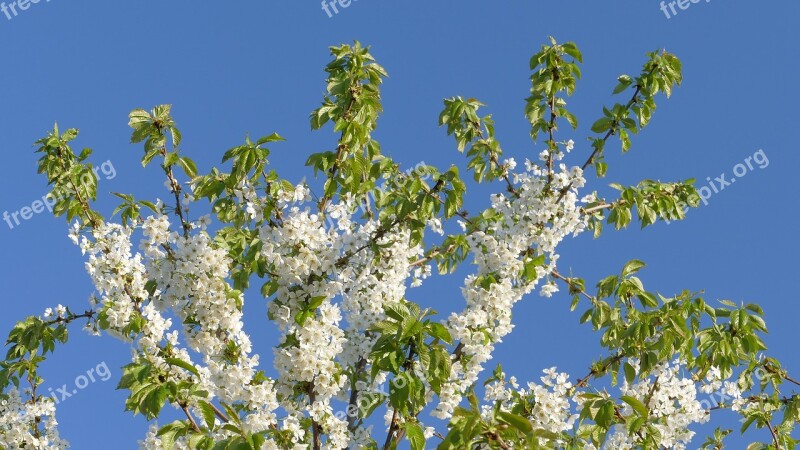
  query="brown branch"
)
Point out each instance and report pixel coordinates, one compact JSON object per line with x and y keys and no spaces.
{"x":332,"y":174}
{"x":610,"y":132}
{"x":392,"y":428}
{"x":315,"y":428}
{"x":495,"y":161}
{"x":66,"y":320}
{"x":650,"y":394}
{"x":791,"y":380}
{"x":551,"y":126}
{"x":509,"y":185}
{"x":189,"y":416}
{"x":219,"y":413}
{"x":603,"y":206}
{"x":176,"y":191}
{"x":432,"y":255}
{"x":382,"y":230}
{"x":174,"y":185}
{"x":774,"y":435}
{"x":394,"y":435}
{"x":782,"y":373}
{"x":84,"y":204}
{"x":341,"y":147}
{"x":572,"y":285}
{"x":353,"y":403}
{"x":583,"y":381}
{"x":434,"y":194}
{"x":753,"y":399}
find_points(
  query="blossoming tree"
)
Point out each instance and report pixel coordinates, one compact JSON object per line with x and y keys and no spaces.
{"x":335,"y":269}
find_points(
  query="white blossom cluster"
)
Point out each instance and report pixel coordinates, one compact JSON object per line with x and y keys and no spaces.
{"x":246,"y":195}
{"x":118,"y":276}
{"x":376,"y":281}
{"x":671,"y":399}
{"x":552,"y":400}
{"x":717,"y":385}
{"x":60,"y":312}
{"x":536,"y":220}
{"x":552,"y":410}
{"x":304,"y":255}
{"x":317,"y":258}
{"x":373,"y":283}
{"x":673,"y":406}
{"x":190,"y":275}
{"x":16,"y":417}
{"x":191,"y":280}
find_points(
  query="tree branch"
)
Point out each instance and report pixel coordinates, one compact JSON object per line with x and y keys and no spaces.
{"x":774,"y":435}
{"x":189,"y":416}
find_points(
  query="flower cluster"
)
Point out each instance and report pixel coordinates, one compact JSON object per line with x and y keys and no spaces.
{"x":190,"y":282}
{"x":191,"y":274}
{"x":552,"y":403}
{"x":717,"y":385}
{"x":673,"y":406}
{"x":59,"y":313}
{"x":304,"y":255}
{"x":377,"y":281}
{"x":246,"y":195}
{"x":16,"y":417}
{"x":536,"y":220}
{"x":317,"y":258}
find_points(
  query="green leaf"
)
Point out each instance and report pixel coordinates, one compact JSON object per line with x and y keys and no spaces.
{"x":637,"y":405}
{"x":630,"y":372}
{"x":274,"y":137}
{"x":137,"y":117}
{"x":624,"y":82}
{"x":188,"y":166}
{"x":520,"y":423}
{"x":440,"y":332}
{"x":415,"y":435}
{"x":601,"y":125}
{"x":601,"y":168}
{"x":183,"y":364}
{"x":170,"y":433}
{"x":208,"y":413}
{"x":152,"y":404}
{"x":171,"y":158}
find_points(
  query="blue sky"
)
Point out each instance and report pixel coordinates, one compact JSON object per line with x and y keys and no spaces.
{"x":238,"y":67}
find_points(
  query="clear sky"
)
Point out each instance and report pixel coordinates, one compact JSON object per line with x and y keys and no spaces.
{"x":235,"y":67}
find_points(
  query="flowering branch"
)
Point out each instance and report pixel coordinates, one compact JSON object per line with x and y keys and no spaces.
{"x":336,"y":287}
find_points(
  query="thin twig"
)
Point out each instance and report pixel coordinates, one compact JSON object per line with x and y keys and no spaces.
{"x":189,"y":416}
{"x":610,"y":132}
{"x":392,"y":428}
{"x":219,"y":413}
{"x":315,"y":429}
{"x":593,"y":209}
{"x":495,"y":161}
{"x":774,"y":435}
{"x":572,"y":285}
